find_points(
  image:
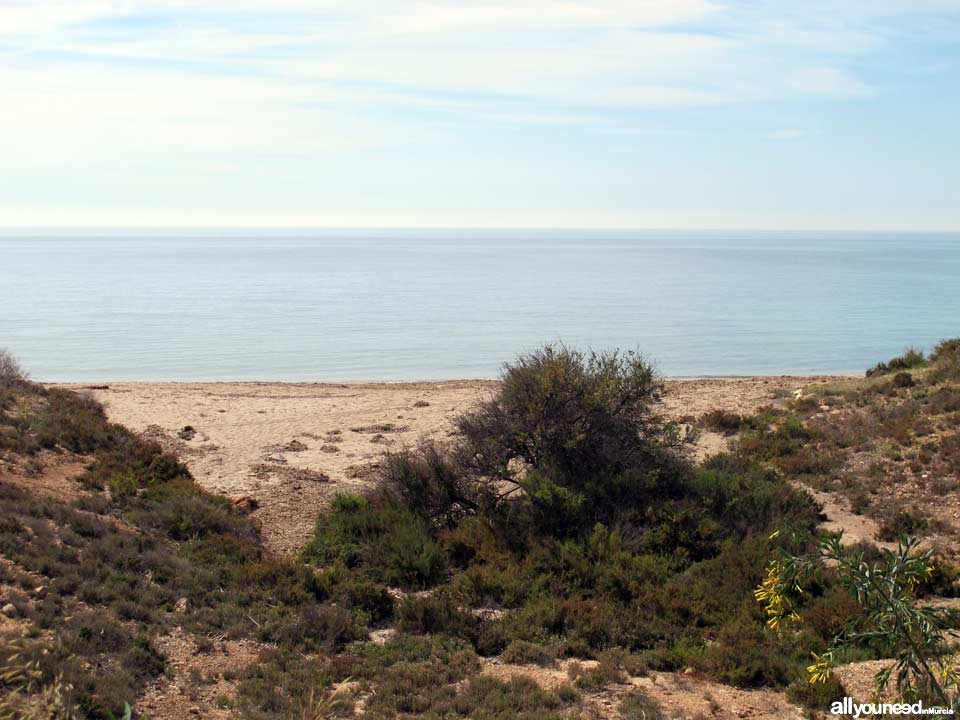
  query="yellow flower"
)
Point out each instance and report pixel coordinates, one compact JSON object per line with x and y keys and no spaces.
{"x":820,"y":670}
{"x":774,"y":535}
{"x":770,"y":594}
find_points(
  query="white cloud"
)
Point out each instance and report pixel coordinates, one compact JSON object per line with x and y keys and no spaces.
{"x":181,"y":85}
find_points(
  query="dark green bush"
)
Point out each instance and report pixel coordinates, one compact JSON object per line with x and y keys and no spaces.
{"x":391,"y":543}
{"x":580,"y":434}
{"x":903,"y":380}
{"x":521,"y":652}
{"x":910,"y":360}
{"x":435,"y":614}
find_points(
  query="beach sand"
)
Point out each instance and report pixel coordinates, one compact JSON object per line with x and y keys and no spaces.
{"x":293,"y":446}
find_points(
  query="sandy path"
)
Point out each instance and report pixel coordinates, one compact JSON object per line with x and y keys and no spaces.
{"x":257,"y":439}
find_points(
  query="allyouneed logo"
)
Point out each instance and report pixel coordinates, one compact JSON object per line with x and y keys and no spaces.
{"x":848,"y":707}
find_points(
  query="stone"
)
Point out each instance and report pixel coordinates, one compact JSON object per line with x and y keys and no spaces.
{"x":182,"y":605}
{"x":10,"y":610}
{"x":246,"y":503}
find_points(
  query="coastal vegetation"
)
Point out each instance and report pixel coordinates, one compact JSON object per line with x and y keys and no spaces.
{"x":566,"y":525}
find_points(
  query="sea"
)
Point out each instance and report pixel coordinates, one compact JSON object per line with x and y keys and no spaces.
{"x":341,"y":305}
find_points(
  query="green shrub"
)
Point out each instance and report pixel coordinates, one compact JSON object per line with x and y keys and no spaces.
{"x":392,"y":544}
{"x":816,"y":696}
{"x":587,"y":429}
{"x":721,"y":421}
{"x":521,"y":652}
{"x":371,"y":598}
{"x":318,"y":628}
{"x":945,"y":361}
{"x":903,"y":380}
{"x":10,"y":369}
{"x":437,"y":613}
{"x":639,"y":706}
{"x":123,"y":485}
{"x":520,"y":697}
{"x":910,"y":359}
{"x":746,"y":656}
{"x":902,"y":524}
{"x":428,"y":482}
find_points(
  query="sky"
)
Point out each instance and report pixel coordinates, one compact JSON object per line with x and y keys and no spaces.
{"x":840,"y":114}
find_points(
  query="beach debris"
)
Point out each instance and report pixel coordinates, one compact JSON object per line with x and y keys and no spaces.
{"x":380,"y":428}
{"x":263,"y":471}
{"x":187,"y":432}
{"x":362,"y":472}
{"x":246,"y":503}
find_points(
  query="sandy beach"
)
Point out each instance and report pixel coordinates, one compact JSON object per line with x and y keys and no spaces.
{"x":293,"y":446}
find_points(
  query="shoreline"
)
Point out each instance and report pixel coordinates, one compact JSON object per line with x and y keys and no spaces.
{"x":292,"y":447}
{"x":85,"y":384}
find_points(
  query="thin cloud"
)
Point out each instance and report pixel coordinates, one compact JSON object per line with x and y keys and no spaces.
{"x":172,"y":91}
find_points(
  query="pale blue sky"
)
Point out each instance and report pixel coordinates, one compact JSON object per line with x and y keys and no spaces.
{"x":502,"y":113}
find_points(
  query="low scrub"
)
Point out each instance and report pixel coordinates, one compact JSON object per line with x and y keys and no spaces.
{"x":910,"y":360}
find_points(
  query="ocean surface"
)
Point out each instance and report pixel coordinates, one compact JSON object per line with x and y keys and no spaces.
{"x":400,"y":305}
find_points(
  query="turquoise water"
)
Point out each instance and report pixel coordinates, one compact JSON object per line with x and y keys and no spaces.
{"x":392,"y":305}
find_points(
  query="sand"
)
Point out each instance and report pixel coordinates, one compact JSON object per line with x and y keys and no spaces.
{"x":293,"y":446}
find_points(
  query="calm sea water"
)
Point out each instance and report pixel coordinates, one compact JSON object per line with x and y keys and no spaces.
{"x":391,"y":305}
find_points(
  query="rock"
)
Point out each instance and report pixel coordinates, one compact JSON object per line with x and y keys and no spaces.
{"x":10,"y":610}
{"x":182,"y":605}
{"x":40,"y":592}
{"x":295,"y":446}
{"x":246,"y":503}
{"x":329,"y":449}
{"x":382,"y":637}
{"x":188,"y":432}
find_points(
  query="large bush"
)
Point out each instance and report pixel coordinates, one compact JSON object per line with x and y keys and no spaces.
{"x":580,"y":434}
{"x":10,"y":369}
{"x":567,"y":514}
